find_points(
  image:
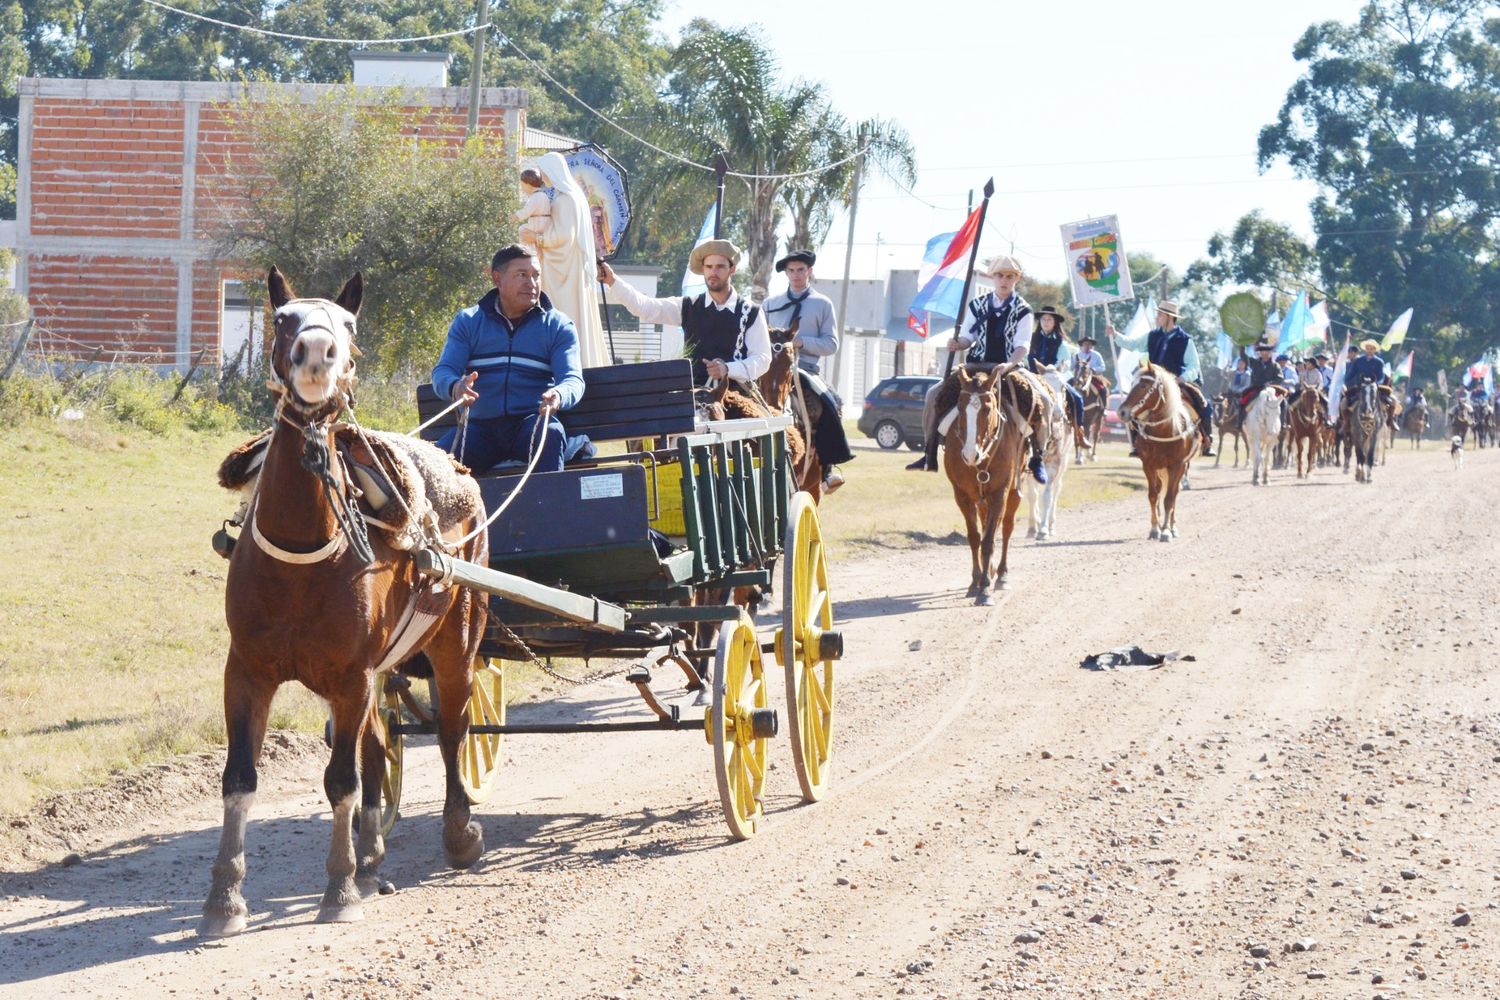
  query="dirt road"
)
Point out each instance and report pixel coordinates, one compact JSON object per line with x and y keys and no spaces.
{"x":1308,"y":809}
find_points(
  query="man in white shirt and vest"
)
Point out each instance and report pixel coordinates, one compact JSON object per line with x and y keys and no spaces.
{"x":817,"y":338}
{"x":726,"y":336}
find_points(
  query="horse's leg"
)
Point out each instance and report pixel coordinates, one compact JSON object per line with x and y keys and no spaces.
{"x":1012,"y":503}
{"x":1033,"y":503}
{"x":369,"y":849}
{"x":973,"y":511}
{"x":1169,"y":502}
{"x":1153,"y":491}
{"x":452,"y":659}
{"x":351,"y":711}
{"x":990,"y":518}
{"x":247,"y":705}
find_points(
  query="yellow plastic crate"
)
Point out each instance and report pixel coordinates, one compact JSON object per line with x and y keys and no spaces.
{"x":669,"y":519}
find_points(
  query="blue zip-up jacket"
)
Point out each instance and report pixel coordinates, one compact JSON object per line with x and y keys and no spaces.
{"x":516,"y":364}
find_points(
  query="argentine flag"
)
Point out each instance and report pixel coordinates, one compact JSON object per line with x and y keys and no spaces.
{"x":940,"y":281}
{"x":693,"y":284}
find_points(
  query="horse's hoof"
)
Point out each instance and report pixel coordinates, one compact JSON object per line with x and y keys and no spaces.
{"x":464,"y":849}
{"x":347,"y":913}
{"x":1031,"y":533}
{"x":983,"y":600}
{"x":1166,"y":537}
{"x":217,"y":925}
{"x":1155,"y":534}
{"x":371,"y":884}
{"x":1041,"y":536}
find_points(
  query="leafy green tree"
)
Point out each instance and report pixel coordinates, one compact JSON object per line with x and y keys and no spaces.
{"x":1257,"y":251}
{"x":336,"y":187}
{"x":1397,"y":118}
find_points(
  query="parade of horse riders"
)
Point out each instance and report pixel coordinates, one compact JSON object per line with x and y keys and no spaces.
{"x":412,"y":420}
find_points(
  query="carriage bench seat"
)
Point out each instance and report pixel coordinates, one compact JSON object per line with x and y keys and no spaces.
{"x":588,"y":526}
{"x":619,"y":401}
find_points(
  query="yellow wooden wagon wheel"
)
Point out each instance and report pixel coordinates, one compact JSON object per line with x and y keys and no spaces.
{"x":807,"y":646}
{"x":739,"y":725}
{"x":479,"y":753}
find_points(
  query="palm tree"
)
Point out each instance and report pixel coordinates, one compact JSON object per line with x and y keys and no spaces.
{"x":811,"y":200}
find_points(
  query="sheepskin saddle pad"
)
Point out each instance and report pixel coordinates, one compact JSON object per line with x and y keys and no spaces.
{"x":407,"y":487}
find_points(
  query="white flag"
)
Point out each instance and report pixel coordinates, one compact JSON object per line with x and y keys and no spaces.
{"x":1336,"y":389}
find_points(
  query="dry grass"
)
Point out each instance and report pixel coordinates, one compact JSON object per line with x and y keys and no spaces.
{"x":883,"y":506}
{"x":112,"y":633}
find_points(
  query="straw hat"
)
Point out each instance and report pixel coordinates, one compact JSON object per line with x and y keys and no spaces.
{"x":1000,"y":265}
{"x":1368,"y":346}
{"x":703,"y":250}
{"x":1169,"y":307}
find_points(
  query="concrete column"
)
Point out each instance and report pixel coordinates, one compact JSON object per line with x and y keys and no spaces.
{"x":185,"y":231}
{"x":23,"y":194}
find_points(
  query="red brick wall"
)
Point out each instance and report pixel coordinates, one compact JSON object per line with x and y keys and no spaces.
{"x":114,"y":169}
{"x":121,"y":303}
{"x":110,"y":167}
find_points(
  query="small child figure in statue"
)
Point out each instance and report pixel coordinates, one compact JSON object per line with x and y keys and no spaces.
{"x":536,"y":214}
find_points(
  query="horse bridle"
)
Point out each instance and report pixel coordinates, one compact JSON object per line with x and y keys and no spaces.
{"x":319,"y":460}
{"x":1160,"y":392}
{"x":984,"y":450}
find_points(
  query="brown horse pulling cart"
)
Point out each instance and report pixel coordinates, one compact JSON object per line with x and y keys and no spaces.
{"x":629,"y":555}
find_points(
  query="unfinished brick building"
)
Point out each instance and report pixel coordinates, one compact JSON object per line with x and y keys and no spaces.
{"x":113,"y":250}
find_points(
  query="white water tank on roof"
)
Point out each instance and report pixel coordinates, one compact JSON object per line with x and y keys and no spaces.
{"x":401,"y":69}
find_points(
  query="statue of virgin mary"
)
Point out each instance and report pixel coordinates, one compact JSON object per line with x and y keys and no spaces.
{"x":566,"y":256}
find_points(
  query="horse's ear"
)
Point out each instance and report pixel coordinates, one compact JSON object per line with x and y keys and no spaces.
{"x":280,"y":289}
{"x":351,"y":294}
{"x":1145,"y":365}
{"x":791,"y":331}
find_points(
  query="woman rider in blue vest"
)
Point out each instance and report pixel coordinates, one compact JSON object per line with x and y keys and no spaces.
{"x":1168,"y":346}
{"x":1046,"y":345}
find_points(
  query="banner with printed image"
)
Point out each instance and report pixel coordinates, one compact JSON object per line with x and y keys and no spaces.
{"x":1096,"y":261}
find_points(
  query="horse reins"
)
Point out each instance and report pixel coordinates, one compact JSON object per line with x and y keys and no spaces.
{"x":1160,"y":391}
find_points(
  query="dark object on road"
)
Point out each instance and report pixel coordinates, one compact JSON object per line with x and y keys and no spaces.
{"x":1131,"y":658}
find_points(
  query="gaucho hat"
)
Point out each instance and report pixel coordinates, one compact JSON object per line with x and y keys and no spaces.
{"x":707,"y":248}
{"x":1054,"y":313}
{"x":805,"y":256}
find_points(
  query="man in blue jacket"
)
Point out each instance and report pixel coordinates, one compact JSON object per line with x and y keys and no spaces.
{"x":513,"y":360}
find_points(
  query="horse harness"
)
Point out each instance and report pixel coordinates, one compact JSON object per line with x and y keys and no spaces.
{"x":1157,"y":390}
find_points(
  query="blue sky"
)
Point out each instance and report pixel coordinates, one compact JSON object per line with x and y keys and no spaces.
{"x":1149,"y":111}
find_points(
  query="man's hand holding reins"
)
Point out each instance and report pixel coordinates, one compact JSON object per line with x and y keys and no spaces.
{"x":550,"y":403}
{"x":463,"y":389}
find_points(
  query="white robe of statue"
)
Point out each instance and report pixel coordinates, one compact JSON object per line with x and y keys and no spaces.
{"x":568,"y":264}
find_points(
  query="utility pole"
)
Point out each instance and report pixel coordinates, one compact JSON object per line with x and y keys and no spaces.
{"x":476,"y":71}
{"x":859,"y":172}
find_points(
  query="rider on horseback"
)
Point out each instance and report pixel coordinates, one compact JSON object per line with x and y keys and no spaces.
{"x":811,"y":312}
{"x":1000,"y":333}
{"x":1169,"y":346}
{"x":1046,"y":344}
{"x":1368,"y":367}
{"x":726,"y":336}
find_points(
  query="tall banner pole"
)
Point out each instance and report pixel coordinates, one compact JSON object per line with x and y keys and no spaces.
{"x":1114,"y":354}
{"x":721,"y":167}
{"x":963,"y":299}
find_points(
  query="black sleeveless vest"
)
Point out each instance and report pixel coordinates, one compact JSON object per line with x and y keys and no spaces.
{"x":709,"y":332}
{"x":999,"y":325}
{"x":1167,"y":350}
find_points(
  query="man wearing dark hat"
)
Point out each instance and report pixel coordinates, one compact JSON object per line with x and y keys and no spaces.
{"x":1263,"y":370}
{"x":817,"y":338}
{"x":726,"y":336}
{"x":1169,"y":346}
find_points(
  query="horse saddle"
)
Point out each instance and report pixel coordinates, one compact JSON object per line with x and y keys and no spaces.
{"x":405,"y":486}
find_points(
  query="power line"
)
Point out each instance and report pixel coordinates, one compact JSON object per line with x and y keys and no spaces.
{"x":314,"y":38}
{"x":648,"y":143}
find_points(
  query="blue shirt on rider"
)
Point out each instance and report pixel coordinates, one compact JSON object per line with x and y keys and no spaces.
{"x":516,"y":362}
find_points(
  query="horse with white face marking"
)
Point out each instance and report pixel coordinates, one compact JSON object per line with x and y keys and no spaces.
{"x":983,"y":438}
{"x":1263,"y":429}
{"x":1041,"y":501}
{"x":1166,"y":439}
{"x":311,"y":597}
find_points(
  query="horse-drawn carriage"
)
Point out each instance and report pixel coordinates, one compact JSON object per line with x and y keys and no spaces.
{"x":638,"y":555}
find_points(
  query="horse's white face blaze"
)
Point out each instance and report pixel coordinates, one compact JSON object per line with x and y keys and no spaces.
{"x":319,"y":356}
{"x":970,"y":452}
